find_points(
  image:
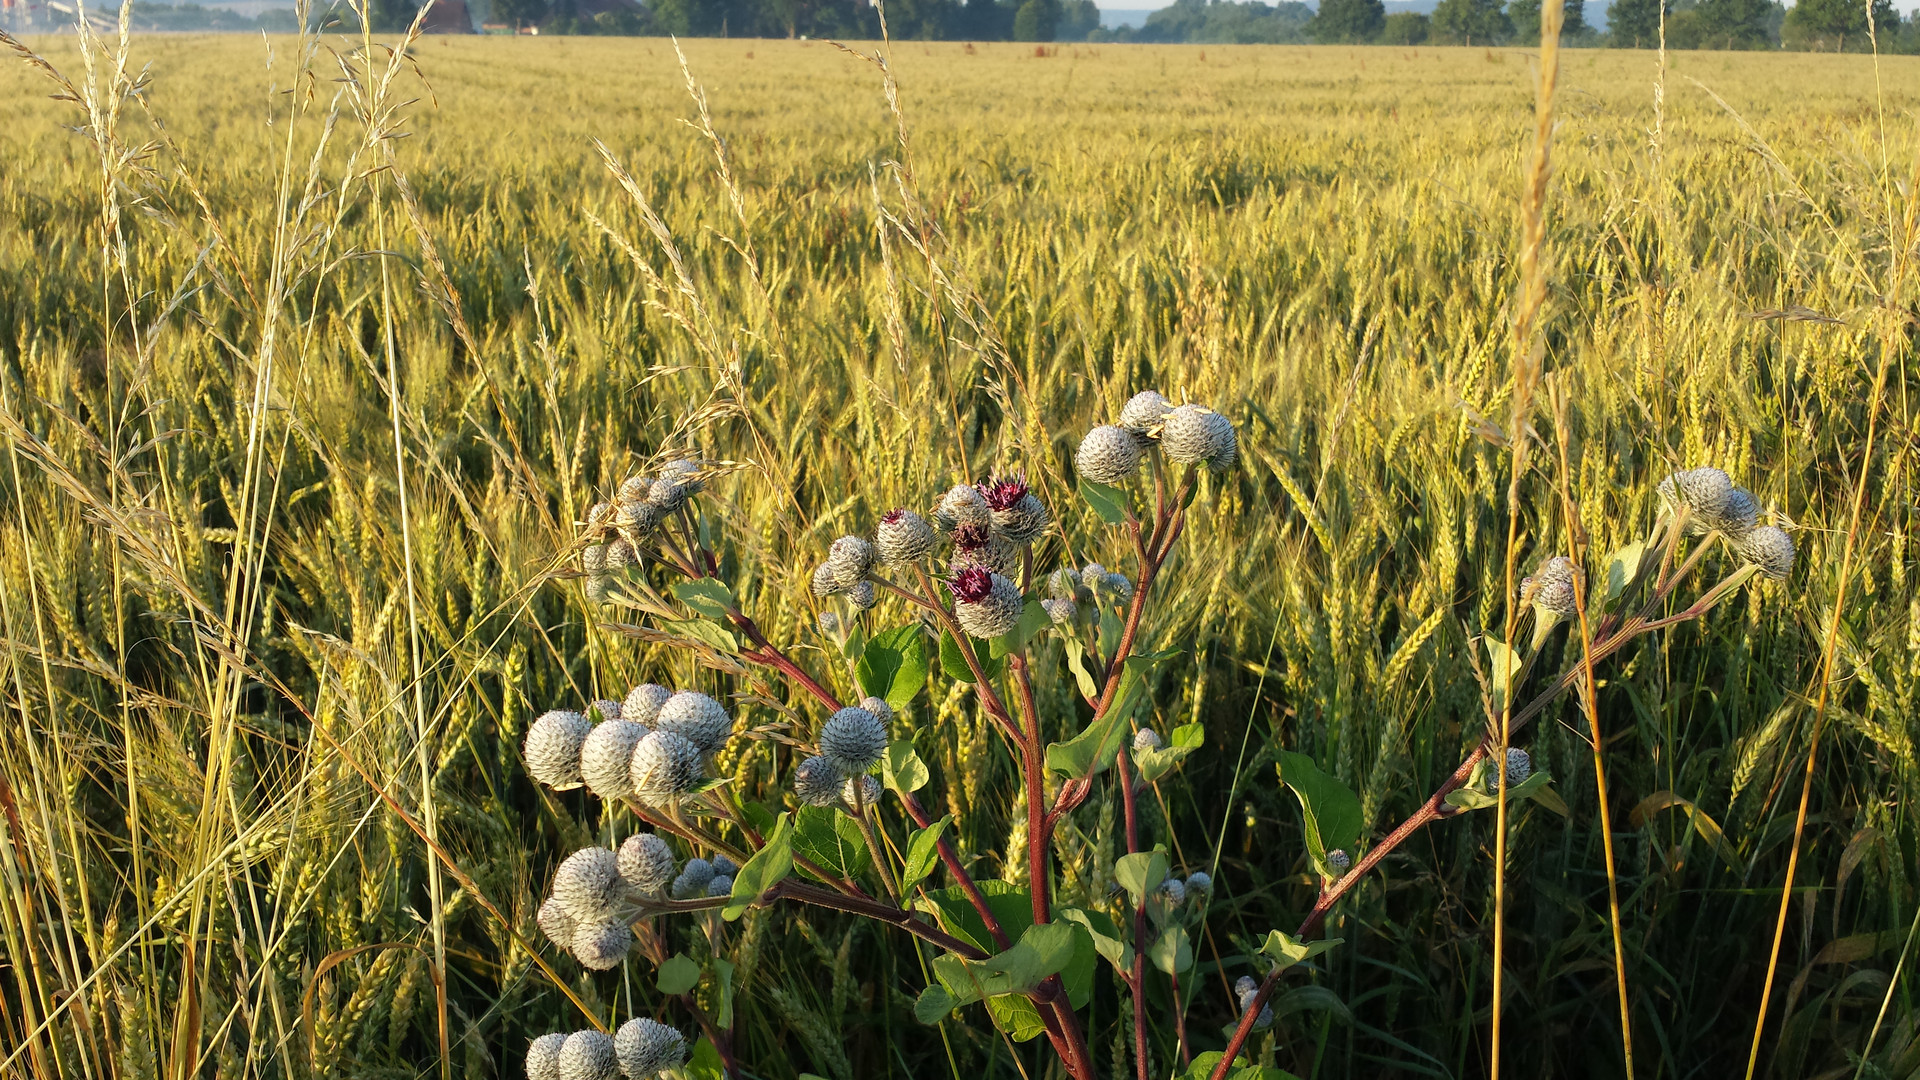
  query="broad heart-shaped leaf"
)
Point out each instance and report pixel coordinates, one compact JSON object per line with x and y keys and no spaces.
{"x":1106,"y":937}
{"x":1154,"y":764}
{"x":1033,"y":619}
{"x":1077,"y":977}
{"x":723,"y":992}
{"x":1012,"y":908}
{"x":923,"y":850}
{"x":712,"y":635}
{"x":1093,"y":750}
{"x":894,"y":665}
{"x":831,"y":840}
{"x":1015,"y":1015}
{"x":707,"y":596}
{"x":955,"y":665}
{"x":1503,"y":665}
{"x":1108,"y":501}
{"x":1171,"y":952}
{"x":705,"y":1063}
{"x":1042,"y":950}
{"x":1141,"y":873}
{"x":902,"y":770}
{"x":768,"y":867}
{"x":1286,"y":950}
{"x":1331,"y":811}
{"x":1622,"y":567}
{"x":933,"y":1005}
{"x":678,"y":975}
{"x":1479,"y":791}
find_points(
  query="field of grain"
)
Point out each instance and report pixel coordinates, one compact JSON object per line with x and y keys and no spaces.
{"x":310,"y":361}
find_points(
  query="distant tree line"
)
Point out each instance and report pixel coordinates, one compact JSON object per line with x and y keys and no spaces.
{"x":1812,"y":25}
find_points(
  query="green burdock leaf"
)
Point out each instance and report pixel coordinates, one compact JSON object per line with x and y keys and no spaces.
{"x":1141,"y":873}
{"x":1077,"y":663}
{"x":902,"y":770}
{"x":830,"y":840}
{"x":707,"y":596}
{"x":1106,"y":937}
{"x":1107,"y":501}
{"x":1171,"y":952}
{"x":1093,"y":750}
{"x":712,"y":635}
{"x":1506,"y":665}
{"x":1154,"y":764}
{"x":955,"y":665}
{"x":1204,"y":1064}
{"x":1042,"y":950}
{"x":933,"y":1005}
{"x":1015,"y":1015}
{"x":768,"y":867}
{"x":1481,"y":791}
{"x":894,"y":665}
{"x":1331,"y":811}
{"x":1622,"y":567}
{"x":723,"y":992}
{"x":678,"y":975}
{"x":1286,"y":950}
{"x":705,"y":1063}
{"x":1033,"y":619}
{"x":923,"y":850}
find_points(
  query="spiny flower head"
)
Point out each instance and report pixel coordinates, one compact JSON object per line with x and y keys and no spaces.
{"x":1060,"y":612}
{"x":1770,"y":549}
{"x":606,"y":757}
{"x":553,"y":920}
{"x":981,"y":547}
{"x":1004,"y":492}
{"x":1107,"y":455}
{"x":903,"y":537}
{"x":543,"y":1056}
{"x":686,"y":473}
{"x":1195,"y":433}
{"x":1247,"y":990}
{"x":721,"y":885}
{"x":665,"y":766}
{"x":816,"y":781}
{"x":667,"y":495}
{"x":692,"y":882}
{"x":593,"y":559}
{"x":588,"y":1055}
{"x":853,"y":739}
{"x":862,"y":596}
{"x":1022,"y":520}
{"x":1143,"y":412}
{"x":1174,"y":890}
{"x":647,"y":1048}
{"x":643,"y":703}
{"x":826,"y":581}
{"x":879,"y":708}
{"x":1146,"y":739}
{"x":723,"y":866}
{"x":1519,"y":767}
{"x":851,"y":559}
{"x":1551,"y":587}
{"x":1340,"y":861}
{"x":588,"y":885}
{"x":868,"y":791}
{"x":988,"y":612}
{"x":620,"y":555}
{"x":697,"y":718}
{"x":1064,"y":584}
{"x":603,"y":945}
{"x":552,"y":749}
{"x":646,"y":862}
{"x":1199,"y":882}
{"x":634,"y":489}
{"x":1705,"y":491}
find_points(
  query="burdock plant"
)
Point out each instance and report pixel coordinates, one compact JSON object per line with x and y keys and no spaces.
{"x":967,"y":599}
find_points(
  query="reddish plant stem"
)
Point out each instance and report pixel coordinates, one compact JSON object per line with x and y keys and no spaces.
{"x":1031,"y":764}
{"x":959,"y":873}
{"x":1180,"y":1022}
{"x":873,"y":909}
{"x":721,"y":1038}
{"x":1139,"y":978}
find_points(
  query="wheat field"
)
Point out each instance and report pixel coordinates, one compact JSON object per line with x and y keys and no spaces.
{"x":311,"y":357}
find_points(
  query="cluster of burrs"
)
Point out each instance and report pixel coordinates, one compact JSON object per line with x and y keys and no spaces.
{"x":1183,"y":434}
{"x":1076,"y":596}
{"x":1171,"y":899}
{"x":852,"y":741}
{"x":655,"y":745}
{"x":599,"y":892}
{"x":988,"y":527}
{"x":623,"y":530}
{"x":1246,"y":989}
{"x":641,"y":1049}
{"x":1714,"y":505}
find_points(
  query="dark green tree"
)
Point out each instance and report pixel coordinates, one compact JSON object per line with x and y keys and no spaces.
{"x":1837,"y":25}
{"x":1078,"y":18}
{"x":1406,"y":28}
{"x":1734,"y":24}
{"x":1342,"y":21}
{"x":521,"y":12}
{"x":1036,"y":20}
{"x":1525,"y":16}
{"x":1635,"y":24}
{"x":1471,"y":22}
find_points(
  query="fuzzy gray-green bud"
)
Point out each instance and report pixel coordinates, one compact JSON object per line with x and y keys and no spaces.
{"x":646,"y":862}
{"x":903,"y":537}
{"x":697,"y":718}
{"x":588,"y":1055}
{"x":851,"y":559}
{"x":1247,"y":990}
{"x":862,"y":596}
{"x":1519,"y":767}
{"x":1064,"y":584}
{"x":543,"y":1056}
{"x":593,"y":559}
{"x":879,"y":708}
{"x":603,"y":945}
{"x":1060,"y":612}
{"x":1107,"y":455}
{"x":692,"y":882}
{"x":963,"y":505}
{"x":1551,"y":587}
{"x":553,"y":920}
{"x":868,"y":791}
{"x":1143,"y":413}
{"x":826,"y":581}
{"x":1194,"y":433}
{"x":1708,"y":495}
{"x":589,"y":886}
{"x":1340,"y":862}
{"x":606,"y":757}
{"x":853,"y":739}
{"x":721,"y":885}
{"x":552,"y":748}
{"x":665,"y":766}
{"x":686,"y":473}
{"x":636,"y":517}
{"x":1770,"y":549}
{"x":817,"y":780}
{"x":643,"y":703}
{"x":647,"y":1048}
{"x":1146,"y":739}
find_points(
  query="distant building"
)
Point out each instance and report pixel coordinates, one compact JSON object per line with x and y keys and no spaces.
{"x":447,"y":17}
